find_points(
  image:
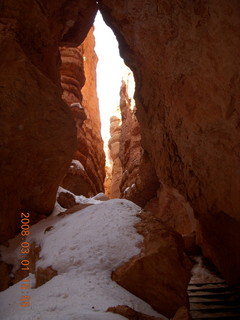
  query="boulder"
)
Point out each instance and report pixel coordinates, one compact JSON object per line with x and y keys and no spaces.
{"x":66,"y":200}
{"x":161,"y":272}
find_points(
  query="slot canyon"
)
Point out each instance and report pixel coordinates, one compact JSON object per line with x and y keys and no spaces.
{"x":122,"y":238}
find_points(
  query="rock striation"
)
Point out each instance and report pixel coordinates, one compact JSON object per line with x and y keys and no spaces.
{"x":78,"y":77}
{"x":184,"y":56}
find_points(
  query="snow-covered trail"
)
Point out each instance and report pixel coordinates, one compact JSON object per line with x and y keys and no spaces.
{"x":84,"y":247}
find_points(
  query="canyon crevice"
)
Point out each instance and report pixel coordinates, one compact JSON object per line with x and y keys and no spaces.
{"x":133,"y":175}
{"x":184,"y":57}
{"x":177,"y":152}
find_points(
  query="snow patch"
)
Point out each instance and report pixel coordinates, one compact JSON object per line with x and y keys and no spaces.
{"x":84,"y":247}
{"x":76,"y":104}
{"x":126,"y":190}
{"x":200,"y":273}
{"x":129,"y":188}
{"x":77,"y":164}
{"x":79,"y":199}
{"x":99,"y":196}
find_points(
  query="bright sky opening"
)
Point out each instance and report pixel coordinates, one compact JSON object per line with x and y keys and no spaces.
{"x":110,"y":70}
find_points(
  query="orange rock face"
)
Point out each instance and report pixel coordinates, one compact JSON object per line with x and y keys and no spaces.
{"x":133,"y":176}
{"x":37,"y":131}
{"x":78,"y":78}
{"x":172,"y":208}
{"x":160,"y":274}
{"x":139,"y":181}
{"x":184,"y":56}
{"x":114,"y":148}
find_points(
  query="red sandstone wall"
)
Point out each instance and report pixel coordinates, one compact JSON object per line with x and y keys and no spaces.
{"x":185,"y":58}
{"x":37,"y":131}
{"x":78,"y":77}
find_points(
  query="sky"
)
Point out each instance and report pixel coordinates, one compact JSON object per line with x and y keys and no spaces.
{"x":109,"y":72}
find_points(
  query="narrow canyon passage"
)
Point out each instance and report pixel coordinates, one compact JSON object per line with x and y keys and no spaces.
{"x":120,"y":236}
{"x":210,"y":297}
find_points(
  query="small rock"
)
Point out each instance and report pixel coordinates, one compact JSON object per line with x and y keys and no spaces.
{"x":66,"y":200}
{"x":182,"y":314}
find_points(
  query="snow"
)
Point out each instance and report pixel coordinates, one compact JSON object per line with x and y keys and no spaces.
{"x":77,"y":164}
{"x":84,"y":247}
{"x":126,"y":190}
{"x":76,"y":104}
{"x":99,"y":196}
{"x":84,"y":200}
{"x":80,"y":199}
{"x":57,"y":209}
{"x":201,"y":274}
{"x":129,"y":188}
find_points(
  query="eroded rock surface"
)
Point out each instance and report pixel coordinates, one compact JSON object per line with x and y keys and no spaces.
{"x":78,"y":78}
{"x":116,"y":170}
{"x":66,"y":200}
{"x":184,"y":56}
{"x":160,"y":274}
{"x":139,"y":181}
{"x":172,"y":208}
{"x":133,"y":175}
{"x":37,"y":132}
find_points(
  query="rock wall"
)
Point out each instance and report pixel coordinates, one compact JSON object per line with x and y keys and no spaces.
{"x":114,"y":148}
{"x":133,"y":176}
{"x":139,"y":181}
{"x":175,"y":212}
{"x":37,"y":133}
{"x":184,"y":55}
{"x":172,"y":208}
{"x":78,"y":78}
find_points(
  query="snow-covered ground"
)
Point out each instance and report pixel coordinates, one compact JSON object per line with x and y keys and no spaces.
{"x":201,"y":274}
{"x":84,"y":247}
